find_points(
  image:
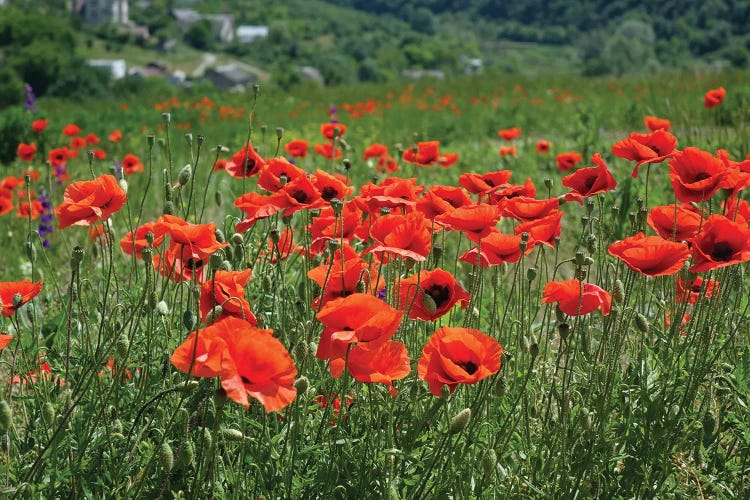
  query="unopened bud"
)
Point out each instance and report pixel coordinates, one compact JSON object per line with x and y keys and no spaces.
{"x":17,"y":300}
{"x":279,"y":132}
{"x":187,"y":453}
{"x":232,"y":434}
{"x":489,"y":462}
{"x":150,"y":140}
{"x":189,"y":139}
{"x":531,"y":273}
{"x":564,"y":330}
{"x":301,"y":384}
{"x":460,"y":421}
{"x":641,"y":322}
{"x":429,"y":303}
{"x":214,"y":314}
{"x":301,"y":350}
{"x":618,"y":291}
{"x":237,"y":239}
{"x":48,"y":414}
{"x":218,"y":198}
{"x":122,"y":346}
{"x":166,"y":117}
{"x":166,"y":456}
{"x":347,"y":164}
{"x":168,"y":208}
{"x":6,"y":415}
{"x":185,"y":175}
{"x":76,"y":256}
{"x":361,"y":286}
{"x":30,"y":251}
{"x":275,"y":236}
{"x":548,"y":183}
{"x":162,"y":308}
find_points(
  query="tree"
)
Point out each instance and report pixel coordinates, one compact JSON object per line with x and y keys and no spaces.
{"x":199,"y":35}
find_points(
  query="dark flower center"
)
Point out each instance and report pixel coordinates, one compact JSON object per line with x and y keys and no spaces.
{"x":300,"y":196}
{"x":722,"y":251}
{"x":193,"y":264}
{"x":589,"y":182}
{"x":469,"y":366}
{"x":440,"y":294}
{"x":701,"y":176}
{"x":245,"y":380}
{"x":328,"y":193}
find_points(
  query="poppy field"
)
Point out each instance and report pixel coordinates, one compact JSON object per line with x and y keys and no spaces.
{"x":479,"y":289}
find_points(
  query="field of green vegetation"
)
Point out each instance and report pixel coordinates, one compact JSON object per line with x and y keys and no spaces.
{"x":455,"y":289}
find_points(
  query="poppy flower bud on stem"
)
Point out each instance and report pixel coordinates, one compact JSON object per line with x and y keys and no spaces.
{"x":168,"y":208}
{"x":301,"y":384}
{"x":548,"y":183}
{"x":17,"y":300}
{"x":6,"y":415}
{"x":460,"y":421}
{"x":188,"y":320}
{"x":531,"y":273}
{"x":189,"y":139}
{"x":200,"y":139}
{"x":591,"y":242}
{"x":429,"y":303}
{"x":489,"y":462}
{"x":618,"y":291}
{"x":166,"y":117}
{"x":147,"y":255}
{"x":237,"y":239}
{"x":641,"y":322}
{"x":337,"y":205}
{"x":347,"y":164}
{"x":279,"y":132}
{"x":150,"y":140}
{"x":589,"y":206}
{"x":48,"y":414}
{"x":185,"y":175}
{"x":564,"y":330}
{"x":166,"y":456}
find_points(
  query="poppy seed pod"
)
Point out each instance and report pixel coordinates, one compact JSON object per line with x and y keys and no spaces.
{"x":237,"y":239}
{"x":279,"y":132}
{"x":122,"y":346}
{"x":548,"y":183}
{"x":489,"y":462}
{"x":460,"y":421}
{"x":166,"y":117}
{"x":76,"y":257}
{"x":168,"y":208}
{"x":591,"y":243}
{"x":17,"y":300}
{"x":531,"y":273}
{"x":150,"y":140}
{"x":200,"y":138}
{"x":564,"y":330}
{"x":147,"y":254}
{"x":187,"y":454}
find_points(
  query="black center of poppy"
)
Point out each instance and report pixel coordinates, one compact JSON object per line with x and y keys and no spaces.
{"x":345,"y":293}
{"x":245,"y":380}
{"x":440,"y":294}
{"x":468,"y":366}
{"x":699,"y":177}
{"x":722,"y":251}
{"x":328,"y":193}
{"x":300,"y":196}
{"x":589,"y":182}
{"x":193,"y":264}
{"x":655,"y":149}
{"x":696,"y":287}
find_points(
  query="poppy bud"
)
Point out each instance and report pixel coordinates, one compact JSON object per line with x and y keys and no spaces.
{"x":219,"y":235}
{"x":279,"y":132}
{"x":6,"y":415}
{"x":189,"y":139}
{"x":361,"y":286}
{"x":489,"y":462}
{"x":347,"y":164}
{"x":214,"y":314}
{"x":123,"y":185}
{"x":499,"y":388}
{"x":337,"y":205}
{"x":200,"y":138}
{"x":218,"y":198}
{"x":76,"y":257}
{"x":168,"y":208}
{"x":301,"y":384}
{"x":166,"y":456}
{"x":429,"y":303}
{"x":445,"y":391}
{"x":30,"y":251}
{"x":152,"y":300}
{"x":232,"y":434}
{"x":641,"y":322}
{"x":17,"y":300}
{"x":460,"y":421}
{"x":147,"y":254}
{"x":631,"y":218}
{"x":618,"y":291}
{"x":187,"y":453}
{"x":581,"y":273}
{"x":48,"y":414}
{"x":122,"y":346}
{"x":208,"y":439}
{"x":385,"y":210}
{"x":188,"y":320}
{"x":522,"y":245}
{"x":548,"y":183}
{"x":237,"y":239}
{"x":333,"y":245}
{"x":585,"y":220}
{"x":225,"y":266}
{"x":615,"y":210}
{"x":531,"y":273}
{"x":166,"y":117}
{"x":586,"y":417}
{"x":564,"y":330}
{"x":220,"y":397}
{"x":589,"y":206}
{"x":185,"y":175}
{"x":534,"y":350}
{"x":437,"y":251}
{"x":283,"y":179}
{"x":591,"y":242}
{"x":150,"y":141}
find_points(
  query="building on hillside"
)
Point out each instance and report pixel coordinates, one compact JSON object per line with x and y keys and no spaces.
{"x":248,"y":33}
{"x":117,"y":67}
{"x":96,"y":12}
{"x":230,"y":77}
{"x":222,"y":26}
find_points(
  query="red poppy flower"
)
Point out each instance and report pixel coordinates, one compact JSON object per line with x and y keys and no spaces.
{"x":26,"y":151}
{"x":426,"y":153}
{"x":386,"y":165}
{"x":589,"y":181}
{"x":249,"y":361}
{"x":508,"y":151}
{"x":297,"y":195}
{"x":407,"y":236}
{"x":654,"y":123}
{"x":476,"y":221}
{"x":138,"y":241}
{"x":5,"y":340}
{"x":545,"y":230}
{"x":99,"y":154}
{"x":441,"y":199}
{"x":286,"y":246}
{"x":383,"y":365}
{"x":737,"y":210}
{"x":646,"y":148}
{"x":220,"y":164}
{"x":6,"y":204}
{"x":57,"y":156}
{"x":14,"y":294}
{"x":77,"y":143}
{"x":508,"y":134}
{"x":296,"y":148}
{"x":720,"y":243}
{"x":376,"y":150}
{"x":445,"y":160}
{"x":257,"y":206}
{"x":131,"y":164}
{"x":340,"y":279}
{"x":86,"y":202}
{"x":505,"y":191}
{"x":115,"y":136}
{"x":200,"y":239}
{"x":484,"y":183}
{"x":391,"y":192}
{"x":277,"y":172}
{"x":496,"y":248}
{"x":440,"y":286}
{"x":71,"y":130}
{"x":330,"y":186}
{"x":245,"y":163}
{"x":524,"y":208}
{"x":736,"y":175}
{"x":31,"y":210}
{"x":38,"y":126}
{"x":542,"y":147}
{"x":689,"y":292}
{"x":674,"y":222}
{"x":327,"y":150}
{"x":576,"y":298}
{"x":455,"y":356}
{"x":696,"y":175}
{"x":329,"y":226}
{"x":333,"y":130}
{"x":179,"y":263}
{"x":650,"y":255}
{"x":227,"y":289}
{"x":566,"y":161}
{"x":714,"y":97}
{"x":92,"y":138}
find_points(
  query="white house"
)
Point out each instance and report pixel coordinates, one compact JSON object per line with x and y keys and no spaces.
{"x":248,"y":33}
{"x":117,"y":67}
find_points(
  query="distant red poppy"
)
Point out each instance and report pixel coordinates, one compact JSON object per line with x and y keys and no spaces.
{"x":576,"y":298}
{"x":496,"y":248}
{"x":508,"y":151}
{"x":131,"y":164}
{"x":484,"y":183}
{"x":14,"y":294}
{"x":383,"y":365}
{"x":690,"y":292}
{"x":440,"y":286}
{"x":542,"y":147}
{"x":115,"y":136}
{"x":476,"y":221}
{"x":27,"y":210}
{"x":340,"y":279}
{"x":510,"y":190}
{"x":376,"y":150}
{"x":92,"y":138}
{"x":296,"y":148}
{"x":6,"y":204}
{"x":391,"y":192}
{"x":38,"y":126}
{"x":330,"y":186}
{"x":99,"y":154}
{"x":327,"y":150}
{"x":57,"y":156}
{"x":646,"y":148}
{"x":721,"y":242}
{"x":654,"y":123}
{"x":245,"y":163}
{"x":651,"y":255}
{"x":71,"y":130}
{"x":455,"y":356}
{"x":441,"y":199}
{"x":220,"y":164}
{"x":250,"y":362}
{"x":333,"y":130}
{"x":5,"y":340}
{"x":714,"y":97}
{"x":26,"y":151}
{"x":524,"y":208}
{"x":277,"y":172}
{"x":508,"y":134}
{"x":77,"y":142}
{"x":589,"y":181}
{"x":86,"y":202}
{"x":426,"y":153}
{"x":566,"y":161}
{"x":545,"y":230}
{"x":227,"y":289}
{"x":674,"y":222}
{"x":200,"y":239}
{"x":696,"y":175}
{"x":445,"y":160}
{"x":386,"y":165}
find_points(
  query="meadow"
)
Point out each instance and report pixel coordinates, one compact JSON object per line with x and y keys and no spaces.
{"x":484,"y":288}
